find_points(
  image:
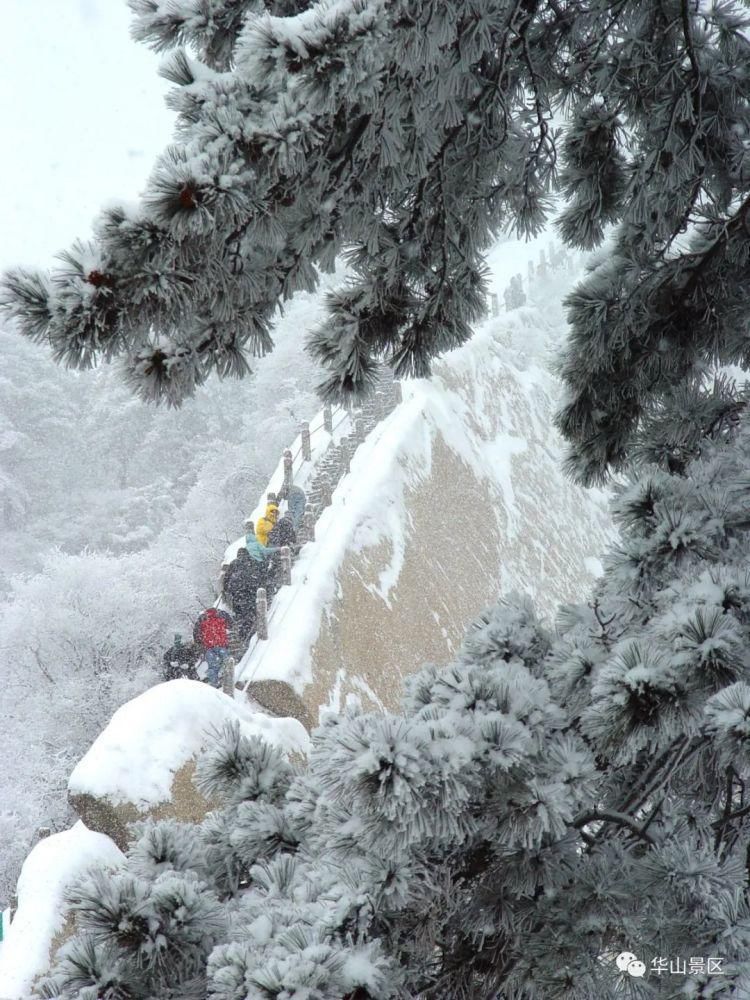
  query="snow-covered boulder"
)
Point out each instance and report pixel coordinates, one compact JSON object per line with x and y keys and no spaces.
{"x":42,"y":921}
{"x":142,"y":764}
{"x":281,"y":699}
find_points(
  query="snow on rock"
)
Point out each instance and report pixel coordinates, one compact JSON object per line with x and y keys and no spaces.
{"x":142,"y":763}
{"x":454,"y":498}
{"x":39,"y":925}
{"x":149,"y":738}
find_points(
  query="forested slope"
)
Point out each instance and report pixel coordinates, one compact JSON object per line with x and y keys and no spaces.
{"x":113,"y":516}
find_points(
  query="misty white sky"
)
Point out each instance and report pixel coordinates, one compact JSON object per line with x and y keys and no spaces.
{"x":83,"y":119}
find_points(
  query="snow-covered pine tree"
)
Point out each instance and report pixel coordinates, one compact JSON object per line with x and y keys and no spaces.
{"x":246,"y":906}
{"x":665,"y":305}
{"x":541,"y":805}
{"x":407,"y":133}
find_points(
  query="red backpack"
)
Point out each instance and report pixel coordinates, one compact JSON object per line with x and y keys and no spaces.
{"x":212,"y":630}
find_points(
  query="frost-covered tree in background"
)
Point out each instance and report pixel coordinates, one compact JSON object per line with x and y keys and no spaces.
{"x":540,"y":805}
{"x":515,"y":297}
{"x":407,"y":133}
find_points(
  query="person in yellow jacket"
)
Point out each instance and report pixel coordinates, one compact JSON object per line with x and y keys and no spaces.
{"x":265,"y":524}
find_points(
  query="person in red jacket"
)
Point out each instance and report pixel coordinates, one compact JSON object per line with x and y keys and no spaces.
{"x":211,"y":633}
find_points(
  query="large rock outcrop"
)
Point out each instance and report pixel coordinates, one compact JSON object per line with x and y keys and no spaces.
{"x":141,"y":766}
{"x":457,"y":497}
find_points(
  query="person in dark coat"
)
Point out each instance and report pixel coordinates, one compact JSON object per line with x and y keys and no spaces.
{"x":180,"y":661}
{"x":243,"y":578}
{"x":283,"y":532}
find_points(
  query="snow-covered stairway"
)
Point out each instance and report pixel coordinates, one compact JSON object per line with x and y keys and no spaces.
{"x":317,"y":461}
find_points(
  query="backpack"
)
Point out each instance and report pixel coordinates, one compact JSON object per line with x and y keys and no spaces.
{"x":212,"y":629}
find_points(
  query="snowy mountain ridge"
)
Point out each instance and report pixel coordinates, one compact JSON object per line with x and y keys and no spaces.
{"x":462,"y":480}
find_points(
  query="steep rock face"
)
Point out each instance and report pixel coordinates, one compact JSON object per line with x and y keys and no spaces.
{"x":457,"y":497}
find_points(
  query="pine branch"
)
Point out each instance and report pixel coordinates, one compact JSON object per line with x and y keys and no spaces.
{"x":610,"y":816}
{"x":688,"y":35}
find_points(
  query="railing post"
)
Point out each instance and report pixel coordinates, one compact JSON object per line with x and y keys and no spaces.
{"x":326,"y":492}
{"x":302,"y":538}
{"x":495,"y":304}
{"x":346,"y":456}
{"x":328,"y":419}
{"x":261,"y":613}
{"x":227,"y":677}
{"x":308,"y":526}
{"x":286,"y":566}
{"x":288,"y":468}
{"x":306,"y":450}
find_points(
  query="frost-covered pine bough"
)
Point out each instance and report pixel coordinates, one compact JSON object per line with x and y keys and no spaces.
{"x":405,"y":134}
{"x":540,"y":805}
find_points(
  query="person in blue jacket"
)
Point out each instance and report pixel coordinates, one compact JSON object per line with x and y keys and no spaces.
{"x":295,"y":501}
{"x":261,"y":555}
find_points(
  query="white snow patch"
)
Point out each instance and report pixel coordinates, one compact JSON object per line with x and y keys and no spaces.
{"x":51,"y":868}
{"x":499,"y":459}
{"x":594,"y":566}
{"x":334,"y":700}
{"x":151,"y":737}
